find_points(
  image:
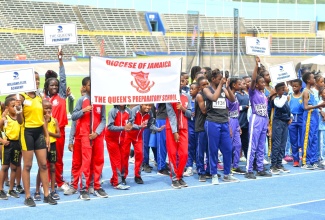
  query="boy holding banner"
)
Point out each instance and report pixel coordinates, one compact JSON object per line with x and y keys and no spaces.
{"x":177,"y":137}
{"x":92,"y":123}
{"x":141,"y":118}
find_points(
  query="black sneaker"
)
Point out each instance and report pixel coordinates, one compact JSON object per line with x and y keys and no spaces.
{"x":84,"y":195}
{"x":48,"y":199}
{"x":29,"y":202}
{"x":202,"y":178}
{"x":263,"y":173}
{"x":146,"y":168}
{"x":164,"y":172}
{"x":55,"y":195}
{"x":167,"y":167}
{"x":138,"y":180}
{"x":20,"y":189}
{"x":37,"y":196}
{"x":238,"y":170}
{"x":3,"y":195}
{"x":250,"y":175}
{"x":282,"y":169}
{"x":13,"y":193}
{"x":123,"y":181}
{"x":183,"y":183}
{"x":176,"y":184}
{"x":274,"y":170}
{"x":101,"y":193}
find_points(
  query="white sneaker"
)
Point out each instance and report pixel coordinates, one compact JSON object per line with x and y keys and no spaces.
{"x":265,"y":162}
{"x":215,"y":180}
{"x":64,"y":187}
{"x":242,"y":159}
{"x":230,"y":178}
{"x":188,"y":172}
{"x":284,"y":162}
{"x":323,"y":162}
{"x":131,"y":160}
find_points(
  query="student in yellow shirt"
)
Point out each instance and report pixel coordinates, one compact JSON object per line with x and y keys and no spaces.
{"x":34,"y":138}
{"x":11,"y":149}
{"x":54,"y":133}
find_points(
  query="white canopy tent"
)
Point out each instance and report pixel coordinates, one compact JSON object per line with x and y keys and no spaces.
{"x":317,"y":62}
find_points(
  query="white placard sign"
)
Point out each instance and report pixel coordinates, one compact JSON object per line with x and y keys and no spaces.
{"x":60,"y":34}
{"x":16,"y":81}
{"x":135,"y":81}
{"x":257,"y":46}
{"x":282,"y":72}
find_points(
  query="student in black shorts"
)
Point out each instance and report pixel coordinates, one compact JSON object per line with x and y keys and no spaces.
{"x":54,"y":133}
{"x":34,"y":138}
{"x":11,"y":148}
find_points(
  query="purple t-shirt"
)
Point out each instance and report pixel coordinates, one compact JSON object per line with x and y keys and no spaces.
{"x":233,"y":108}
{"x":258,"y":102}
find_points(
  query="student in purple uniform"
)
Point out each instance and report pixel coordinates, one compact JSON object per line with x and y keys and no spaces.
{"x":258,"y":125}
{"x":235,"y":86}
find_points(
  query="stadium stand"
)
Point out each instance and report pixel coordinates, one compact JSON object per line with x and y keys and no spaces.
{"x":21,"y":24}
{"x":110,"y":19}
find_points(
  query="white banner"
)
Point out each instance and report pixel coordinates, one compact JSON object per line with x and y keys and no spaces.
{"x":282,"y":72}
{"x":135,"y":81}
{"x":16,"y":81}
{"x":257,"y":46}
{"x":60,"y":34}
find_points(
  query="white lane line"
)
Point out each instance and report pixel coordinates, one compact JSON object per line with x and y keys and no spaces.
{"x":264,"y":209}
{"x":170,"y":189}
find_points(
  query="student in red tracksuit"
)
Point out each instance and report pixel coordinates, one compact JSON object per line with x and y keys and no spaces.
{"x":177,"y":137}
{"x":55,"y":92}
{"x":118,"y":124}
{"x":141,"y":118}
{"x":75,"y":148}
{"x":92,"y":123}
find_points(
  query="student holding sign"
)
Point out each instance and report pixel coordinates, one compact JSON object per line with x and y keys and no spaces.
{"x":55,"y":92}
{"x":34,"y":138}
{"x":258,"y":125}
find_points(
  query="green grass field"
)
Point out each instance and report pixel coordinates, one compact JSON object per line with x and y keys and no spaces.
{"x":74,"y":82}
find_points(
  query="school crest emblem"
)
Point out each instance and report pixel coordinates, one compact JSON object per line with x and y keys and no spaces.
{"x":143,"y":85}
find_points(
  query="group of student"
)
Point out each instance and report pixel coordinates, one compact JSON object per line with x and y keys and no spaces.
{"x":216,"y":116}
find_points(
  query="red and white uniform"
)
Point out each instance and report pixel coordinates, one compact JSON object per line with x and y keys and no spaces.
{"x":92,"y":150}
{"x":135,"y":137}
{"x":59,"y":111}
{"x":177,"y":122}
{"x":114,"y":137}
